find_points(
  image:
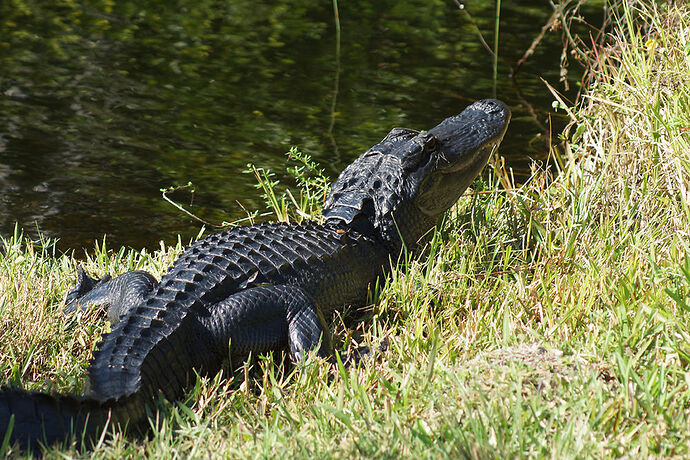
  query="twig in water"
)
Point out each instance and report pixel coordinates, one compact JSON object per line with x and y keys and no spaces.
{"x":530,"y":51}
{"x":336,"y":82}
{"x":189,"y":185}
{"x":461,"y":7}
{"x":497,"y":23}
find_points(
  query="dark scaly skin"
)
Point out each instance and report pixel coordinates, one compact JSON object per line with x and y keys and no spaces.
{"x":263,"y":287}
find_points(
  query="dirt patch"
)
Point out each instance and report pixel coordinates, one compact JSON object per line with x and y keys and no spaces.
{"x":535,"y":367}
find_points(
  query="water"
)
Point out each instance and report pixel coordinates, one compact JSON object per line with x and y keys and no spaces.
{"x":104,"y":104}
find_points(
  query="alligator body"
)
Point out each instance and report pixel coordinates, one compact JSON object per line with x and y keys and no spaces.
{"x":262,"y":287}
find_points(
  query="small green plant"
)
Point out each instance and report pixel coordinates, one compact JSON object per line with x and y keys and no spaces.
{"x":312,"y":183}
{"x":310,"y":179}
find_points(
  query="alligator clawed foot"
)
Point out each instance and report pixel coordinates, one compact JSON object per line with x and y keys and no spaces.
{"x":364,"y":354}
{"x":85,"y":284}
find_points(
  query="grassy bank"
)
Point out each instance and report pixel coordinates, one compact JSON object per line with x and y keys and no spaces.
{"x":549,"y":321}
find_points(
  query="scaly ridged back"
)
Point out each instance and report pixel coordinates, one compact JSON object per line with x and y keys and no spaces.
{"x":331,"y":264}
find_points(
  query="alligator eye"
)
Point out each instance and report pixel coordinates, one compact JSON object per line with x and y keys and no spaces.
{"x":421,"y":150}
{"x":430,"y":143}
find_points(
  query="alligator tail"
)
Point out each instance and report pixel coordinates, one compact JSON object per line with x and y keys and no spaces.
{"x":30,"y":418}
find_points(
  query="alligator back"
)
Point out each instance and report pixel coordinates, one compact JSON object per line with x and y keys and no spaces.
{"x":156,"y":346}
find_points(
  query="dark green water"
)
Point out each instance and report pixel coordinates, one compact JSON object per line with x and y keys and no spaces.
{"x":102,"y":103}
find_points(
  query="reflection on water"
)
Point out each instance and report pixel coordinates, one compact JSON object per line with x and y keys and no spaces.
{"x":102,"y":105}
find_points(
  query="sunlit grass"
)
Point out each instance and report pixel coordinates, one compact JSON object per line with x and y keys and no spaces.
{"x":550,"y":321}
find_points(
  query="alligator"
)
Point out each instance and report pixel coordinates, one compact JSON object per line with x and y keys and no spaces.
{"x":268,"y":286}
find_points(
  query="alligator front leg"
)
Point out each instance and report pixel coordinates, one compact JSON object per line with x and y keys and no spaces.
{"x":266,"y":318}
{"x":116,"y":295}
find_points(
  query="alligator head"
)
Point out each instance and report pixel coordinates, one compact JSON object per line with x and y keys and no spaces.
{"x":400,"y":187}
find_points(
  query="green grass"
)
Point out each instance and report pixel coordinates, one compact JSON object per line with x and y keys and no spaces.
{"x":549,"y":321}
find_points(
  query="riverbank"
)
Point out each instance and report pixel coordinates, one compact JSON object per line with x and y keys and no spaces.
{"x":549,"y":321}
